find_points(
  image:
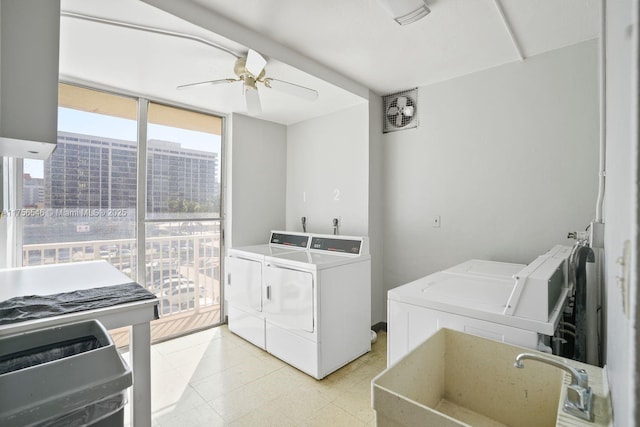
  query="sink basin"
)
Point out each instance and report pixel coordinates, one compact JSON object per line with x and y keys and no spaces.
{"x":457,"y":379}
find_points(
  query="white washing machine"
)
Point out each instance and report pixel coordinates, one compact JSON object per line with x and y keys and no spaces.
{"x":243,"y":285}
{"x":317,"y":304}
{"x":514,"y":303}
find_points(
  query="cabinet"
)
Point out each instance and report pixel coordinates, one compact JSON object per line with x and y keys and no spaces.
{"x":29,"y":56}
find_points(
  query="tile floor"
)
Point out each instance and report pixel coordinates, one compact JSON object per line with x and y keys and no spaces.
{"x":214,"y":378}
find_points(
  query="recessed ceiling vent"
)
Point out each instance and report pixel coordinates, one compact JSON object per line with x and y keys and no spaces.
{"x":400,"y":110}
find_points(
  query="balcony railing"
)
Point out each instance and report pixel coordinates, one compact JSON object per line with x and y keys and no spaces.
{"x":183,"y":271}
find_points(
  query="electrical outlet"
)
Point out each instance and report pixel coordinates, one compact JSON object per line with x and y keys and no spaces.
{"x":435,"y":221}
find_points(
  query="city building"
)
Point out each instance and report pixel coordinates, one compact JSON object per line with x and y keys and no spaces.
{"x":32,"y":192}
{"x":100,"y":173}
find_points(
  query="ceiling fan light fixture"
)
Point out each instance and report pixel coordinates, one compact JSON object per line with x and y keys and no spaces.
{"x":250,"y":70}
{"x":250,"y":82}
{"x":406,"y":11}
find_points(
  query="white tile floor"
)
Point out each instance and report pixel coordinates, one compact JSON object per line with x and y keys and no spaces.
{"x":214,"y":378}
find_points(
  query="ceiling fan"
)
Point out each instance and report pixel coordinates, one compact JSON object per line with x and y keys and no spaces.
{"x":250,"y":70}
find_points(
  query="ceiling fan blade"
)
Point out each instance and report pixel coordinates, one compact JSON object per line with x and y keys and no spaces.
{"x":402,"y":102}
{"x":292,"y":89}
{"x":255,"y":63}
{"x":207,"y":83}
{"x":253,"y":101}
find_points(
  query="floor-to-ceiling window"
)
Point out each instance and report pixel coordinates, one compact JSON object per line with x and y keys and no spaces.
{"x":182,"y":209}
{"x":80,"y":203}
{"x":139,"y":187}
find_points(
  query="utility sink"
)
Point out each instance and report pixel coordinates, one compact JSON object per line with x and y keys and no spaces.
{"x":457,"y":379}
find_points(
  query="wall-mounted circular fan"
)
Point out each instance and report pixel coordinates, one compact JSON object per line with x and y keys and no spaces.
{"x":400,"y":110}
{"x":250,"y":70}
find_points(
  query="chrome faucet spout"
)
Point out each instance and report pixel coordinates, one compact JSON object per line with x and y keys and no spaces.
{"x":577,"y":377}
{"x":579,"y":397}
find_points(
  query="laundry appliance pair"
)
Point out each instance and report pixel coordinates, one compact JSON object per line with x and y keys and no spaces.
{"x":305,"y":298}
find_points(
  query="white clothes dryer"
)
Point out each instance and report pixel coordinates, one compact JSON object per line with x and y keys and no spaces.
{"x":317,"y":305}
{"x":243,"y":285}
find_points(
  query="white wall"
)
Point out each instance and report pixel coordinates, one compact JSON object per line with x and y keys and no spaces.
{"x":507,"y":158}
{"x":376,"y":223}
{"x":328,"y":172}
{"x":257,"y":171}
{"x":4,"y":258}
{"x":3,"y":229}
{"x":620,"y":213}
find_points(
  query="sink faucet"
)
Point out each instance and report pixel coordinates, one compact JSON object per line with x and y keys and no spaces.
{"x":579,"y":397}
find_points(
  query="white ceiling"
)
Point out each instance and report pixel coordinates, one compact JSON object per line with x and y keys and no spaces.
{"x":355,"y":38}
{"x":141,"y":63}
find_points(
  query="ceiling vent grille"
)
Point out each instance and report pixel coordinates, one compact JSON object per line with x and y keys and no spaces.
{"x":400,"y":110}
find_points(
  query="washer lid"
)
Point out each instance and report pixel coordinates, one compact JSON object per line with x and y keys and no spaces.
{"x":310,"y":260}
{"x":280,"y":242}
{"x":478,"y":293}
{"x":328,"y":260}
{"x":480,"y":267}
{"x":259,"y":252}
{"x":476,"y":297}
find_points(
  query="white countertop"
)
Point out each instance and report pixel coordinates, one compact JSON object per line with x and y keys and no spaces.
{"x":58,"y":278}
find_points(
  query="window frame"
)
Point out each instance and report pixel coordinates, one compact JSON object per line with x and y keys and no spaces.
{"x":11,"y":179}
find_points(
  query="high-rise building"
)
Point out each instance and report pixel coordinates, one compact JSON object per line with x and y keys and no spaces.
{"x":90,"y":172}
{"x":32,"y":192}
{"x":100,"y":173}
{"x":179,"y":179}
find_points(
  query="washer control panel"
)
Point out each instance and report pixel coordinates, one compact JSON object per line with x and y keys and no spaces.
{"x":349,"y":246}
{"x":298,"y":240}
